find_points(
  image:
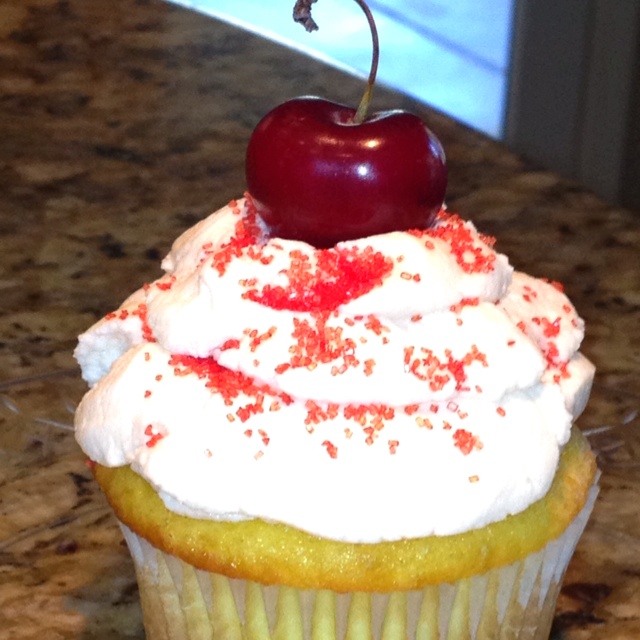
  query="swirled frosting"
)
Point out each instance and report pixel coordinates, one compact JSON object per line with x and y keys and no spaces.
{"x":398,"y":386}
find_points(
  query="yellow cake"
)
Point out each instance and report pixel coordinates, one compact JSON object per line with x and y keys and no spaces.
{"x":253,"y":549}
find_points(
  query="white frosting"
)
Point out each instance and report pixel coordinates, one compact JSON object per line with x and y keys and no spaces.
{"x":439,"y":401}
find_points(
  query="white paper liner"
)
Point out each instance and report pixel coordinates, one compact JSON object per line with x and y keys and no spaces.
{"x":516,"y":602}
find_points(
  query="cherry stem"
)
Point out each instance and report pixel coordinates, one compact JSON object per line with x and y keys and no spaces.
{"x":361,"y":112}
{"x":302,"y":15}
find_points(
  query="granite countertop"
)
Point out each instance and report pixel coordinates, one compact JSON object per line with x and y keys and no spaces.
{"x":122,"y":123}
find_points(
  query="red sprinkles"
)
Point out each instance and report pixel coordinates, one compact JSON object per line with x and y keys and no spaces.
{"x":316,"y":342}
{"x":141,"y":312}
{"x":466,"y":441}
{"x":563,"y":373}
{"x":332,"y":450}
{"x":317,"y":285}
{"x":438,"y":371}
{"x":229,"y":384}
{"x":470,"y":255}
{"x":154,"y":437}
{"x":331,"y":279}
{"x":244,"y":240}
{"x":166,"y":284}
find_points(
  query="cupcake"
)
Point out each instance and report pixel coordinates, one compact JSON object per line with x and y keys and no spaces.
{"x":370,"y":440}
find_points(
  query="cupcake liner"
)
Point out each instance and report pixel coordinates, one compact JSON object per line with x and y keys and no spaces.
{"x":515,"y":602}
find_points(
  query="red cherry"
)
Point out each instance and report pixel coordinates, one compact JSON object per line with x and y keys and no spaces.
{"x":323,"y":172}
{"x":317,"y":176}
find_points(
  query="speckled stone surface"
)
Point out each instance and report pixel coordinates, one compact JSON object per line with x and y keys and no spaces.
{"x":122,"y":122}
